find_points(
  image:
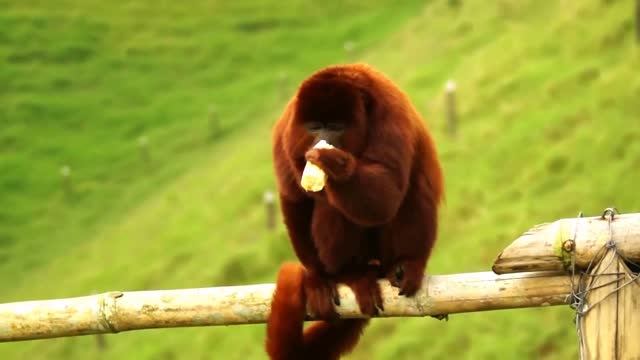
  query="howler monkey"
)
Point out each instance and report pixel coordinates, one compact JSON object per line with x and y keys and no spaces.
{"x":376,"y":217}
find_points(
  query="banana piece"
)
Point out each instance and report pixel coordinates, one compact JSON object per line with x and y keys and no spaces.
{"x":313,"y":178}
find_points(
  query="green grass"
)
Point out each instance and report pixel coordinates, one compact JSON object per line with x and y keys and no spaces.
{"x":548,"y":127}
{"x":82,"y":82}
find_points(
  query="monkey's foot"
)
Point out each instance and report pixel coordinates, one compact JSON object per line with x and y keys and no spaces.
{"x":364,"y":284}
{"x":407,"y":275}
{"x":322,"y":295}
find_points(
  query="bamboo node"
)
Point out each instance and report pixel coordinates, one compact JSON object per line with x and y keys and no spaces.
{"x":107,"y":308}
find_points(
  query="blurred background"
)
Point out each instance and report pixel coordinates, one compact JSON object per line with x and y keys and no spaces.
{"x":135,"y":149}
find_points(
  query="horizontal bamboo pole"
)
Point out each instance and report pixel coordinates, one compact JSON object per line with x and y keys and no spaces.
{"x":550,"y":247}
{"x":114,"y":312}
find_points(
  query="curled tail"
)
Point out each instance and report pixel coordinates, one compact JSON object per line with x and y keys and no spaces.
{"x":286,"y":338}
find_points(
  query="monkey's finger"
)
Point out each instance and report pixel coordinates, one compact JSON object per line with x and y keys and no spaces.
{"x":330,"y":293}
{"x":399,"y":273}
{"x":377,"y":295}
{"x":409,"y":287}
{"x":393,"y":278}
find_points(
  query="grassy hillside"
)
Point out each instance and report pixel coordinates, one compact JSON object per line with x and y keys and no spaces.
{"x":549,"y":127}
{"x":83,"y":82}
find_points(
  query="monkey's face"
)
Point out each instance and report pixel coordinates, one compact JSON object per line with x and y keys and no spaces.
{"x":329,"y":131}
{"x":332,"y":111}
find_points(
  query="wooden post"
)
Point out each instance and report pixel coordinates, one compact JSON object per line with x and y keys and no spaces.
{"x":607,"y":305}
{"x":284,"y":84}
{"x":452,"y":115}
{"x":270,"y":209}
{"x":349,"y":49}
{"x":67,"y":187}
{"x":611,"y":322}
{"x":143,"y":145}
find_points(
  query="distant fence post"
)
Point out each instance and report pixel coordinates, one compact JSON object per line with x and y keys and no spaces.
{"x":283,"y":84}
{"x":270,"y":209}
{"x":65,"y":172}
{"x":452,"y":115}
{"x":143,"y":145}
{"x":349,"y":49}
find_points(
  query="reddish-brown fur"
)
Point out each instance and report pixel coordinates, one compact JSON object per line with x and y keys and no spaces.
{"x":376,"y":217}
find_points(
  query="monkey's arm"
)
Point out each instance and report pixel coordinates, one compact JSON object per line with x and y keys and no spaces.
{"x":371,"y":196}
{"x":367,"y":192}
{"x":297,"y":209}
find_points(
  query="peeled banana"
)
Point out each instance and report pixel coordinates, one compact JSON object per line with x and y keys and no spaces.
{"x":313,"y":178}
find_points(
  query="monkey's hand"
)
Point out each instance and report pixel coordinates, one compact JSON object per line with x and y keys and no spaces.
{"x":339,"y":165}
{"x":322,"y":295}
{"x":407,"y":274}
{"x":314,"y":178}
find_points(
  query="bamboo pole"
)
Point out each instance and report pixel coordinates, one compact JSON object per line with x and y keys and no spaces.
{"x":549,"y":247}
{"x":116,"y":311}
{"x":611,"y":319}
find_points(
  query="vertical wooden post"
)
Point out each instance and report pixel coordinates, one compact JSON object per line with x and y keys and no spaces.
{"x":65,"y":172}
{"x":629,"y":316}
{"x":284,"y":82}
{"x":452,"y":115}
{"x":349,"y":49}
{"x":270,"y":208}
{"x":611,"y":324}
{"x":143,"y":145}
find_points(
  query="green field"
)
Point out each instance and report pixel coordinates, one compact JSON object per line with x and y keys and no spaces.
{"x":549,"y":110}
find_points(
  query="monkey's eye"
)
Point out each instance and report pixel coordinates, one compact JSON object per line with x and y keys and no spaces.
{"x":335,"y":126}
{"x":313,"y":126}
